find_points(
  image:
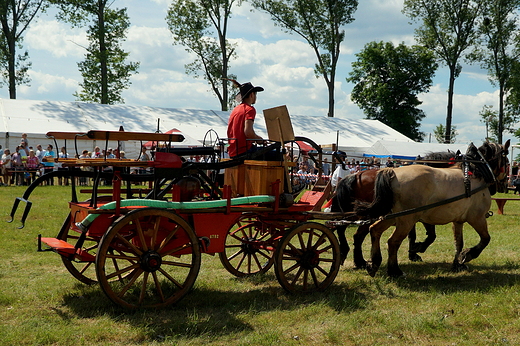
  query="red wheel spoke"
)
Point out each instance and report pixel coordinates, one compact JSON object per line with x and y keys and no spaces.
{"x":319,"y":242}
{"x":155,"y":230}
{"x":300,"y":239}
{"x":134,"y":276}
{"x":305,"y":279}
{"x":232,"y":257}
{"x":177,"y":249}
{"x":169,"y":277}
{"x":129,"y":244}
{"x":241,"y":261}
{"x":294,"y":249}
{"x":168,"y":238}
{"x":309,"y":240}
{"x":314,"y":278}
{"x":85,"y":267}
{"x":290,"y":269}
{"x":140,"y":234}
{"x":322,"y":270}
{"x":122,"y":271}
{"x":158,"y":286}
{"x":132,"y":259}
{"x":266,"y":255}
{"x":177,"y":264}
{"x":297,"y":276}
{"x":143,"y":288}
{"x":257,"y":261}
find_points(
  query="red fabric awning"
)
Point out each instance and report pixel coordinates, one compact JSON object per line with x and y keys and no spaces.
{"x":304,"y":146}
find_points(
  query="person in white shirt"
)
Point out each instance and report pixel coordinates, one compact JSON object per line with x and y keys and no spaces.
{"x":339,"y":172}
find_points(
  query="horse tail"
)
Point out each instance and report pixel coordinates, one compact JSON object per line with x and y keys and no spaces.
{"x":343,"y":200}
{"x":383,"y":196}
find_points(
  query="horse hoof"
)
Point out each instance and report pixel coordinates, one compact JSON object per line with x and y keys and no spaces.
{"x":360,"y":265}
{"x":396,"y":274}
{"x":459,"y":267}
{"x":414,"y":257}
{"x":372,"y":269}
{"x":465,"y":256}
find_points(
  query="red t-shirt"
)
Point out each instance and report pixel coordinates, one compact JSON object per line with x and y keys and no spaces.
{"x":235,"y":132}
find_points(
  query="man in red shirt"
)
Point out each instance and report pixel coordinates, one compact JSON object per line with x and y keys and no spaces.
{"x":240,"y":126}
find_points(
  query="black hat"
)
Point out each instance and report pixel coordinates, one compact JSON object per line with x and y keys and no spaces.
{"x":248,"y":88}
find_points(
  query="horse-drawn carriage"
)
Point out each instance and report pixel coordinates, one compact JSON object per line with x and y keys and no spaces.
{"x":146,"y":252}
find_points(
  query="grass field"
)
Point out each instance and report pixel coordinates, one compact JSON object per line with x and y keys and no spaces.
{"x":42,"y":304}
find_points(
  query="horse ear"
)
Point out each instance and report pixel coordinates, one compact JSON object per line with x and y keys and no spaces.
{"x":506,"y":146}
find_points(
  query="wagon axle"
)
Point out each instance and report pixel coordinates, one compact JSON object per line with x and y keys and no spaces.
{"x":150,"y":261}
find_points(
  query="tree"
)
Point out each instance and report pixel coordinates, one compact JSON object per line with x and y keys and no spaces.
{"x":319,"y":22}
{"x":440,"y":131}
{"x":500,"y":35}
{"x":15,"y":17}
{"x":494,"y":129}
{"x":104,"y":70}
{"x":192,"y":23}
{"x":449,"y":29}
{"x":388,"y":80}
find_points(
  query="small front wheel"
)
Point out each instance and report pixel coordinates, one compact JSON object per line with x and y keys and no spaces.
{"x":307,"y":258}
{"x":148,"y":258}
{"x":249,"y":247}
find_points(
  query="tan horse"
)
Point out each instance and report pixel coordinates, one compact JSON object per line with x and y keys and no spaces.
{"x":410,"y":187}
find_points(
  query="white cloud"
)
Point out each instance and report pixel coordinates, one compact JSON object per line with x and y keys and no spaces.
{"x":57,"y":38}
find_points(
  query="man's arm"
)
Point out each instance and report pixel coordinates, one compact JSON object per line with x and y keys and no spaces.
{"x":250,"y":132}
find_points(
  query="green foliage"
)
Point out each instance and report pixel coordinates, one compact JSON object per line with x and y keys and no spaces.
{"x":319,"y":22}
{"x":499,"y":53}
{"x":201,"y":26}
{"x":388,"y":79}
{"x":448,"y":28}
{"x":440,"y":131}
{"x":490,"y":117}
{"x":105,"y":72}
{"x":15,"y":17}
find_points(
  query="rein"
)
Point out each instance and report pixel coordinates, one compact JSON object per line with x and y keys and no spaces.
{"x":436,"y":204}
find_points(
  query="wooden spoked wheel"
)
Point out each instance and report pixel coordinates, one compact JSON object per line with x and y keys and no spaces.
{"x":248,"y":248}
{"x":307,"y":258}
{"x":83,"y":271}
{"x":148,"y":258}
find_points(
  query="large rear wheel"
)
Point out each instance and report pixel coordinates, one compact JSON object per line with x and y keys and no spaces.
{"x":148,"y":258}
{"x":307,"y":258}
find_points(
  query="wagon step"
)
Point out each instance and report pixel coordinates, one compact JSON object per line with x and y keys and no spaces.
{"x":65,"y":249}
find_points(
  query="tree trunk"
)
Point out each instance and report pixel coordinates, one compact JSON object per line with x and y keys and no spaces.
{"x":500,"y":114}
{"x":331,"y":99}
{"x":12,"y":68}
{"x":103,"y":53}
{"x":449,"y":112}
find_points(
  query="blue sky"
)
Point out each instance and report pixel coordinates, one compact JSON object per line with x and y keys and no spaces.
{"x":267,"y":56}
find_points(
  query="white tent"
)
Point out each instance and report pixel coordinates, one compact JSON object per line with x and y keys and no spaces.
{"x":36,"y":118}
{"x":410,"y":150}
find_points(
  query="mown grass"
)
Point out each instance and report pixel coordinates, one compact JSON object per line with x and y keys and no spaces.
{"x":42,"y":304}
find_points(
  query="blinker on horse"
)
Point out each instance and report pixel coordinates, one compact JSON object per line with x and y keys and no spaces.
{"x":436,"y":196}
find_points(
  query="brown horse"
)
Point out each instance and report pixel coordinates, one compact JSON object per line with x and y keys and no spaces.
{"x":359,"y":187}
{"x":421,"y":193}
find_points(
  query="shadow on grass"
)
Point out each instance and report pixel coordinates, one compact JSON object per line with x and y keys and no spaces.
{"x":225,"y":311}
{"x":437,"y":276}
{"x":206,"y":311}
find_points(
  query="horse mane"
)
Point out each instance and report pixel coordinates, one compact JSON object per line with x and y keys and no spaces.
{"x":343,"y":200}
{"x":446,"y":158}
